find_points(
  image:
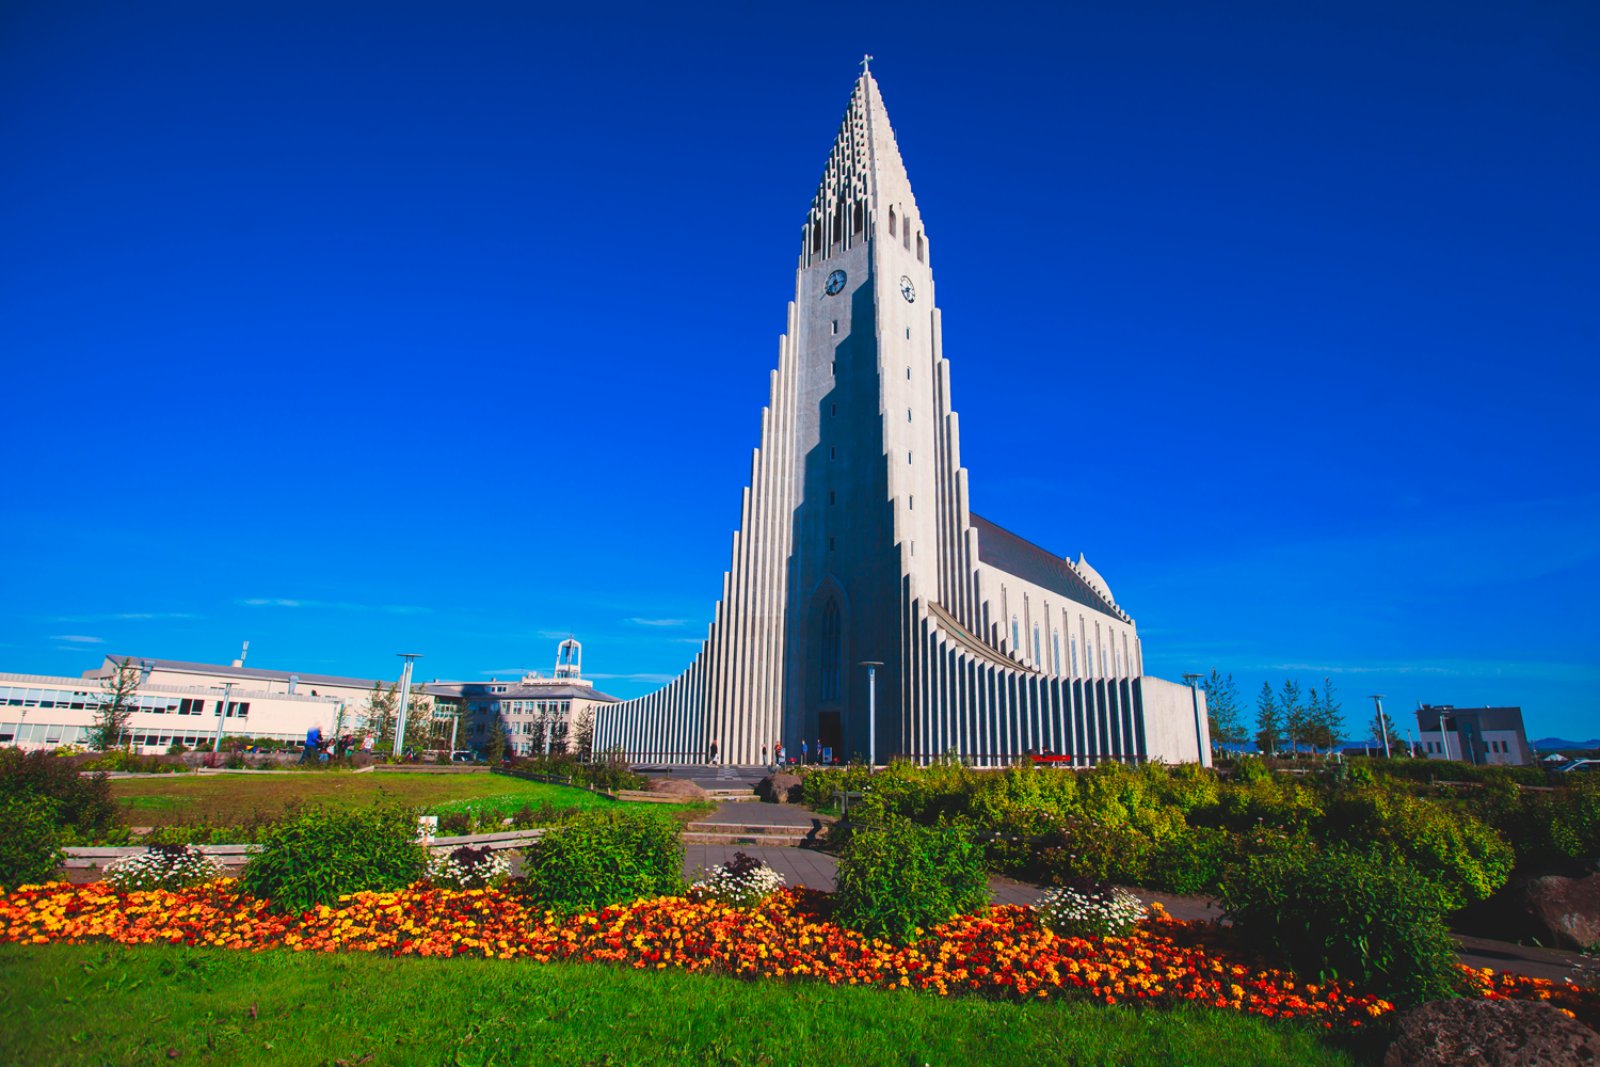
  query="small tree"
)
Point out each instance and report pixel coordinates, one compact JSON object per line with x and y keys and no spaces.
{"x":379,"y":714}
{"x":581,"y":743}
{"x":1222,"y":708}
{"x":495,"y":749}
{"x":1294,"y":714}
{"x":1269,"y":720}
{"x":118,"y":693}
{"x":1327,"y":718}
{"x":1382,"y":723}
{"x":419,"y":723}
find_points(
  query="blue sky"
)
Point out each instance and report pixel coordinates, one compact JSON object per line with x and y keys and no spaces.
{"x":356,"y":329}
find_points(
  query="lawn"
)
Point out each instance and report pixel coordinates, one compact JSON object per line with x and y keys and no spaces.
{"x":112,"y":1004}
{"x":230,"y":799}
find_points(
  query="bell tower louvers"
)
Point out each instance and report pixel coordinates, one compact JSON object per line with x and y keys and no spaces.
{"x":856,"y":543}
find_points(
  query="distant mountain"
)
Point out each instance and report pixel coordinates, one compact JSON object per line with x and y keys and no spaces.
{"x":1558,"y":744}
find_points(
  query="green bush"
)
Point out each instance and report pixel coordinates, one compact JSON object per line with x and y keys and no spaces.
{"x":120,"y":759}
{"x":316,"y":855}
{"x":1092,"y":848}
{"x":1346,"y":915}
{"x":83,"y":802}
{"x":30,"y":847}
{"x":1459,"y":852}
{"x":1575,"y":825}
{"x":898,"y":878}
{"x":1192,"y":861}
{"x":605,"y":857}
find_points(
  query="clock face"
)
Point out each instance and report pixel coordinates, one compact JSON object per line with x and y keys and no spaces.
{"x":836,"y":282}
{"x":908,"y":290}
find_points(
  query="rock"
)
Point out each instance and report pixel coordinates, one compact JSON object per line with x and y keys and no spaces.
{"x":1567,"y":910}
{"x":780,"y":788}
{"x":678,"y":787}
{"x":1491,"y":1033}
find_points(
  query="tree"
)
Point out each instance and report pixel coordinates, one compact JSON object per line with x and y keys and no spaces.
{"x":1222,"y":709}
{"x":1294,"y":714}
{"x":1397,"y":744}
{"x":495,"y":749}
{"x":379,"y":716}
{"x":118,"y":694}
{"x":1328,"y":719}
{"x":1269,"y":720}
{"x":419,"y":723}
{"x":581,"y":743}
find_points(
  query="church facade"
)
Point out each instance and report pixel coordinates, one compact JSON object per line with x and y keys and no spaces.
{"x":856,"y":545}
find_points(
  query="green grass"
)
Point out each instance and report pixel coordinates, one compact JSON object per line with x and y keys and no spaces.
{"x":228,"y":799}
{"x":73,"y":1004}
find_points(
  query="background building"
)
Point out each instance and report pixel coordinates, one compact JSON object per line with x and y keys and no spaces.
{"x":539,"y":714}
{"x":1473,"y":735}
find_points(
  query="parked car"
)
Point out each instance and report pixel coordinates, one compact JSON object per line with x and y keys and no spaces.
{"x":1582,"y":766}
{"x":465,"y":757}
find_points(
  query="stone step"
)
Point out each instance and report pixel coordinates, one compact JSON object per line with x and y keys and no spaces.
{"x":794,"y":840}
{"x":749,"y":828}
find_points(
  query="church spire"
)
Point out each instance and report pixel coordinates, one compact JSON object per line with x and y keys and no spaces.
{"x":864,"y":182}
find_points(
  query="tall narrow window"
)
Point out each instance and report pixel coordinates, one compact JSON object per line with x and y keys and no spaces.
{"x":908,"y":414}
{"x":833,"y":409}
{"x":836,"y":327}
{"x":1038,"y":649}
{"x":1016,"y":634}
{"x":908,"y":374}
{"x":922,"y":248}
{"x":911,"y":503}
{"x":831,"y":498}
{"x":830,"y":651}
{"x":891,"y":221}
{"x":1055,"y":651}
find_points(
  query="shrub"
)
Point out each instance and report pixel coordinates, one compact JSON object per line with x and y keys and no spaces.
{"x":468,"y":867}
{"x":743,"y":881}
{"x":162,"y":867}
{"x":1192,"y":861}
{"x":897,"y":879}
{"x":1575,"y":826}
{"x":316,"y":855}
{"x":1459,"y":852}
{"x":30,"y":847}
{"x":1092,"y":848}
{"x":120,"y":759}
{"x":82,"y":802}
{"x":1087,"y":908}
{"x":605,"y":857}
{"x":1347,"y":915}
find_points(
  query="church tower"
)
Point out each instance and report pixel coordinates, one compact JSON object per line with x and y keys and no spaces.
{"x":856,"y":543}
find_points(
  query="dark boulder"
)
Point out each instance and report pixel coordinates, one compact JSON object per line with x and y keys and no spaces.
{"x":1492,"y":1033}
{"x":780,"y":788}
{"x":1567,"y":910}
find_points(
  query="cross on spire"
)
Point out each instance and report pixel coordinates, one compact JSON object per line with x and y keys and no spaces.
{"x":864,"y":61}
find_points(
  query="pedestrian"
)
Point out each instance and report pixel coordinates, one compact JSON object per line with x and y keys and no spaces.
{"x":819,"y":750}
{"x":313,"y":744}
{"x":367,"y":744}
{"x":764,"y":762}
{"x":713,"y":752}
{"x":804,"y":752}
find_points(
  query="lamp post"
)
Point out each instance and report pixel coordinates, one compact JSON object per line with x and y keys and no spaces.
{"x":222,"y":715}
{"x":1383,"y":724}
{"x":1194,"y":699}
{"x":872,"y":666}
{"x":405,"y":698}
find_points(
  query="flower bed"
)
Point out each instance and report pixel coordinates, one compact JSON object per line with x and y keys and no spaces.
{"x":1004,"y":952}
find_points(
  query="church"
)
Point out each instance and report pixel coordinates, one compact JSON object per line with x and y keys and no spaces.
{"x":867,"y":610}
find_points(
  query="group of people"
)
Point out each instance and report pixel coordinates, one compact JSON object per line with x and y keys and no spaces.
{"x":320,"y":748}
{"x":807,"y":754}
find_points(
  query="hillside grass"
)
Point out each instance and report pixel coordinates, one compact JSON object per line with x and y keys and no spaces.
{"x":93,"y":1004}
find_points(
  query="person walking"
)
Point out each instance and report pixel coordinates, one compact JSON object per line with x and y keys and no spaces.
{"x":819,"y":751}
{"x":713,"y":752}
{"x":804,"y":752}
{"x":313,"y":747}
{"x":764,"y":762}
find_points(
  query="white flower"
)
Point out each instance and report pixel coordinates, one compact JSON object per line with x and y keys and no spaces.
{"x":468,"y":867}
{"x":1089,"y":909}
{"x":162,"y":867}
{"x":743,"y":882}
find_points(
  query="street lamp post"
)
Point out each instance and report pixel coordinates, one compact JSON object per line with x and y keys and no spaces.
{"x":405,"y":698}
{"x":222,"y":715}
{"x":1194,"y":699}
{"x":1383,"y":724}
{"x":872,"y":666}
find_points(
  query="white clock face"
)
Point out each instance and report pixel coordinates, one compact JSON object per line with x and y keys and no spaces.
{"x":908,"y":290}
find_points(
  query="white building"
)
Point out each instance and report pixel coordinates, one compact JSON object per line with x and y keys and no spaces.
{"x":856,"y":543}
{"x":539,"y":714}
{"x":43,"y":711}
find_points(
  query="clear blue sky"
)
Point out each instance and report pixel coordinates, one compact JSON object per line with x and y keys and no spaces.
{"x":355,"y":329}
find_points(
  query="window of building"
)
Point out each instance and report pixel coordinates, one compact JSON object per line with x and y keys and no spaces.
{"x":1055,"y":651}
{"x":831,"y":669}
{"x":836,"y":327}
{"x":911,"y":503}
{"x":1016,"y":634}
{"x":833,"y":409}
{"x":1072,"y":648}
{"x":830,"y":544}
{"x":1038,"y":648}
{"x":833,"y":452}
{"x":908,"y":414}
